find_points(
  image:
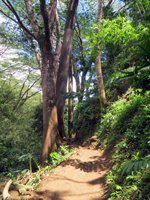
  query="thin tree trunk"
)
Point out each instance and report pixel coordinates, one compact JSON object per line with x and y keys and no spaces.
{"x":98,"y":62}
{"x":76,"y":75}
{"x":38,"y":59}
{"x":83,"y":81}
{"x":101,"y":88}
{"x":64,"y":65}
{"x":70,"y":101}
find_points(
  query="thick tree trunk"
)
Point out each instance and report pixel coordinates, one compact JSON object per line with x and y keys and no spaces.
{"x":48,"y":75}
{"x":44,"y":37}
{"x":64,"y":65}
{"x":70,"y":102}
{"x":49,"y":108}
{"x":98,"y":62}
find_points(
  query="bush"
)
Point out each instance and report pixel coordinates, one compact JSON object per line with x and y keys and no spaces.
{"x":125,"y":127}
{"x":86,"y":116}
{"x":17,"y":137}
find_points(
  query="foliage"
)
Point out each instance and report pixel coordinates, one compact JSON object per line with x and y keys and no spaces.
{"x":125,"y":126}
{"x":86,"y":116}
{"x":124,"y":32}
{"x":37,"y":124}
{"x":136,"y":165}
{"x":124,"y":50}
{"x":123,"y":38}
{"x":134,"y":110}
{"x":32,"y":179}
{"x":16,"y":129}
{"x":59,"y":156}
{"x":134,"y":186}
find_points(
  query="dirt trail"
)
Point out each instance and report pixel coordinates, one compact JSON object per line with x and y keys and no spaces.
{"x":82,"y":177}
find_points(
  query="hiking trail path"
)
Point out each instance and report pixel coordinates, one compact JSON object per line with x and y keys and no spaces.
{"x":81,"y":177}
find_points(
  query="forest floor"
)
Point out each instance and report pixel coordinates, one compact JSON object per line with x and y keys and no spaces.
{"x":81,"y":177}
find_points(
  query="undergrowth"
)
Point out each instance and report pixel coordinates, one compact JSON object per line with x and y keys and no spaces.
{"x":126,"y":128}
{"x":86,"y":116}
{"x":32,"y":180}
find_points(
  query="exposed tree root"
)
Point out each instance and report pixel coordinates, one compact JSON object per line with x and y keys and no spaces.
{"x":6,"y":195}
{"x":22,"y":189}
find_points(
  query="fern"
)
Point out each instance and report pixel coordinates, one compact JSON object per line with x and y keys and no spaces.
{"x":130,"y":166}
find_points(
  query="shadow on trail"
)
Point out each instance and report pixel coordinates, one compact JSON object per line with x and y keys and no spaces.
{"x":90,"y":166}
{"x":99,"y":163}
{"x":48,"y":195}
{"x":99,"y":181}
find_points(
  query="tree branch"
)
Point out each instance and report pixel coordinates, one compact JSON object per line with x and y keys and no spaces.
{"x":80,"y":42}
{"x":109,"y":4}
{"x":24,"y":95}
{"x":119,"y":10}
{"x":44,"y":14}
{"x":37,"y":55}
{"x":3,"y":51}
{"x":8,"y":16}
{"x":75,"y":74}
{"x":11,"y":8}
{"x":32,"y":18}
{"x":52,"y":12}
{"x":6,"y":4}
{"x":57,"y":28}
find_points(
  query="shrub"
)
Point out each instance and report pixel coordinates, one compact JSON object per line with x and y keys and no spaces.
{"x":86,"y":116}
{"x":17,"y":137}
{"x":125,"y":127}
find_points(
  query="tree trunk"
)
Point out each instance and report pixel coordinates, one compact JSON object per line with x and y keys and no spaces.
{"x":49,"y":108}
{"x":98,"y":62}
{"x":76,"y":76}
{"x":70,"y":101}
{"x":48,"y":75}
{"x":83,"y":81}
{"x":44,"y":36}
{"x":101,"y":88}
{"x":64,"y":65}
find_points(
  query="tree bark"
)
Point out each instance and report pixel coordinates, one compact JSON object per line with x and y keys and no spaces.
{"x":32,"y":18}
{"x":98,"y":62}
{"x":49,"y":107}
{"x":70,"y":101}
{"x":76,"y":75}
{"x":48,"y":75}
{"x":64,"y":65}
{"x":48,"y":62}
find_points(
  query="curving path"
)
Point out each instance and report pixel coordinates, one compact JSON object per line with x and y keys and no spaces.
{"x":82,"y":177}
